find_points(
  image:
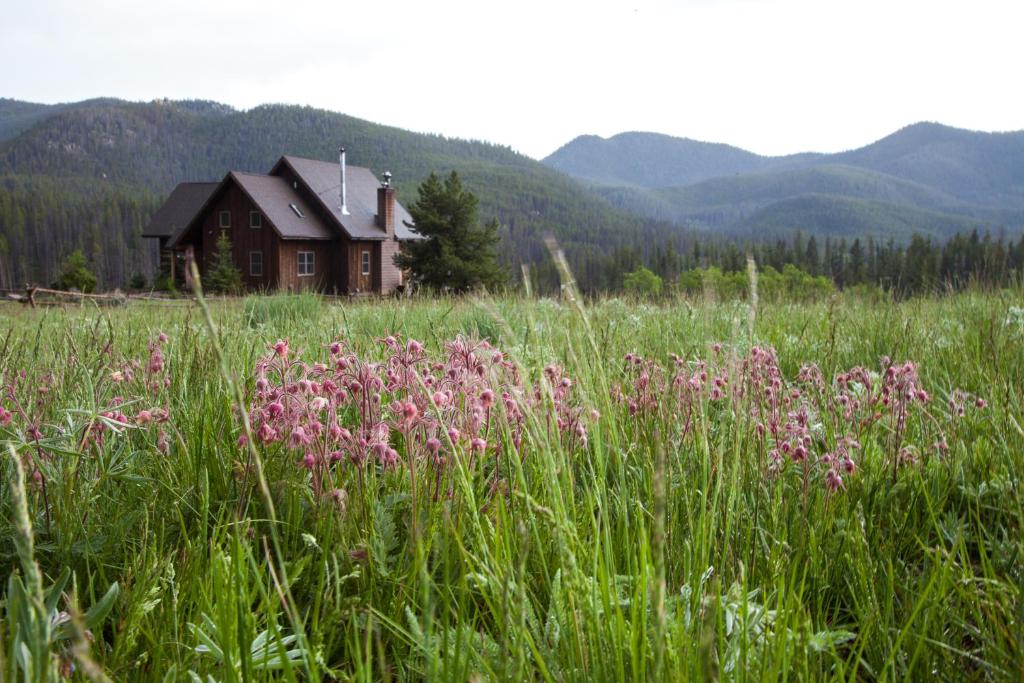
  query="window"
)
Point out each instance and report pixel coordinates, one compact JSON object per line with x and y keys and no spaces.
{"x":255,"y":220}
{"x":306,"y":263}
{"x":256,"y":263}
{"x":225,"y":219}
{"x":366,"y":263}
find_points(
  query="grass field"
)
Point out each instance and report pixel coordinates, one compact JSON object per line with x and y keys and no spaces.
{"x":580,"y":507}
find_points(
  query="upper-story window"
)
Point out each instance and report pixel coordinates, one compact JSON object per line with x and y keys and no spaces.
{"x":366,"y":263}
{"x":225,"y":219}
{"x":255,"y":220}
{"x":307,"y":264}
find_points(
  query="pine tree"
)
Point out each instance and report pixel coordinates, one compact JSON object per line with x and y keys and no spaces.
{"x":224,"y":277}
{"x":458,"y":253}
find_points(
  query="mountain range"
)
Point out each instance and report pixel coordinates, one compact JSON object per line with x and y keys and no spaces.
{"x":88,"y":175}
{"x":926,"y":178}
{"x":81,"y":155}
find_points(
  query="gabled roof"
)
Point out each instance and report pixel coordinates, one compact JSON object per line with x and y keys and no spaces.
{"x":275,"y":197}
{"x":179,"y":209}
{"x":323,"y":178}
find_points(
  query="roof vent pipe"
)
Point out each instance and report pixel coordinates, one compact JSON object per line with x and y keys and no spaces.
{"x":344,"y":204}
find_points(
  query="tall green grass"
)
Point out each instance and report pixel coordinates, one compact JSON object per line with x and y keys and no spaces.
{"x":636,"y":560}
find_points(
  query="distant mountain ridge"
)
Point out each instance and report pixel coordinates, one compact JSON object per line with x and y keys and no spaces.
{"x":950,"y":179}
{"x":656,"y":160}
{"x":88,"y":151}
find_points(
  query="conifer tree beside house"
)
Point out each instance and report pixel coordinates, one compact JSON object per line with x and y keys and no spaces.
{"x":459,"y":253}
{"x":224,"y":277}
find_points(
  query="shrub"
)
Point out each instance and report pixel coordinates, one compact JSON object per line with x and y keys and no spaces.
{"x":137,"y":282}
{"x":643,"y":282}
{"x":75,"y":274}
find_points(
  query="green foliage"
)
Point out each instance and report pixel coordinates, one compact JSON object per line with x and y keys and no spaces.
{"x":41,"y":640}
{"x":137,"y":282}
{"x":458,"y":254}
{"x":44,"y":218}
{"x":536,"y":567}
{"x":643,"y":282}
{"x":223,"y":277}
{"x":75,"y":274}
{"x":283,"y":310}
{"x":792,"y":284}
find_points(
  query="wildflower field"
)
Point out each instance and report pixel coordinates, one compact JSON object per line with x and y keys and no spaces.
{"x":285,"y":488}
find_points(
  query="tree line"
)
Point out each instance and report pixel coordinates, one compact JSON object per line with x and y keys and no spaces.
{"x":43,"y":220}
{"x":922,"y":265}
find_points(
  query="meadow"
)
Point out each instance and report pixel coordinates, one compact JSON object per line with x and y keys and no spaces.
{"x":287,"y":488}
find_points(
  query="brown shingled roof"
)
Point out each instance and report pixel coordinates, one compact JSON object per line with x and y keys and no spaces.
{"x":324,"y":179}
{"x":275,"y":198}
{"x":177,"y":212}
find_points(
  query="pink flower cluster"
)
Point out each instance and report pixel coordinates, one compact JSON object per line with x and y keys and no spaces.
{"x":407,"y":408}
{"x":810,"y":424}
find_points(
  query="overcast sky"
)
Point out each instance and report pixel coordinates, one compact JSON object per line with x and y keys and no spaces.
{"x":772,"y":76}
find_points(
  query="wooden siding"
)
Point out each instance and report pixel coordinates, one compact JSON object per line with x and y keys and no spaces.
{"x":357,"y":282}
{"x":328,"y":269}
{"x":243,"y":238}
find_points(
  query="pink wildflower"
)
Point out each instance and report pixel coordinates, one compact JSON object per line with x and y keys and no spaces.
{"x":833,"y":482}
{"x":299,"y":437}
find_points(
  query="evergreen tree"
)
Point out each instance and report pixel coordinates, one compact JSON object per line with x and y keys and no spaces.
{"x":458,"y":253}
{"x":856,"y":270}
{"x":224,"y":277}
{"x":811,"y":256}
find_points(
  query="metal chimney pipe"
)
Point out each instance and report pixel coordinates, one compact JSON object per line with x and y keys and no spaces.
{"x":344,"y":203}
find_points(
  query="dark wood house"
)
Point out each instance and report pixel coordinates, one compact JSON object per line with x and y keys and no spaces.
{"x":305,"y":225}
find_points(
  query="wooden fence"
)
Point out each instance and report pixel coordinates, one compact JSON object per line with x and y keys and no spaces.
{"x":41,"y":296}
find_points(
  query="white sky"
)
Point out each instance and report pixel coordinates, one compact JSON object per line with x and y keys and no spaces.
{"x":772,"y":76}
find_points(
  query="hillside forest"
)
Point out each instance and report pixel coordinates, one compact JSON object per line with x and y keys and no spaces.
{"x":86,"y":176}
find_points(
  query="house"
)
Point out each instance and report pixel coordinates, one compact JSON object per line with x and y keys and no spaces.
{"x":307,"y":224}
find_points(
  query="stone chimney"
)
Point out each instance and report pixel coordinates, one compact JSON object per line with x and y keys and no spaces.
{"x":386,"y":206}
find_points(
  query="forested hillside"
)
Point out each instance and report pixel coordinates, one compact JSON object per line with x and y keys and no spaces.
{"x":88,"y":175}
{"x":101,"y":167}
{"x":926,"y":178}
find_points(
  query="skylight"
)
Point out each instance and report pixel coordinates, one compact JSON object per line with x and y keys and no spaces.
{"x":297,"y":210}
